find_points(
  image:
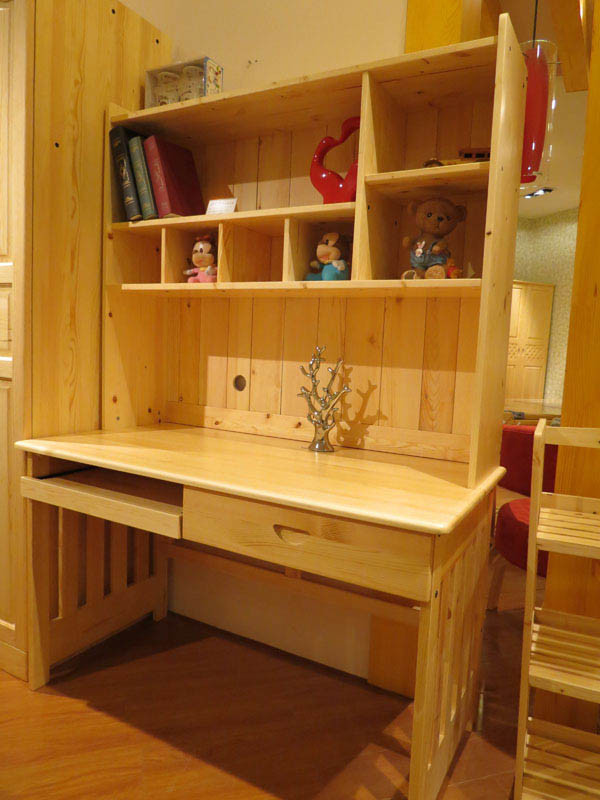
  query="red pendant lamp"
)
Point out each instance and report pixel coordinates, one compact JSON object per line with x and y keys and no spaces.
{"x":540,"y":59}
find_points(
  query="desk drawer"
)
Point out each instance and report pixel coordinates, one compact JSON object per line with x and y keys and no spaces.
{"x":144,"y":503}
{"x":371,"y":556}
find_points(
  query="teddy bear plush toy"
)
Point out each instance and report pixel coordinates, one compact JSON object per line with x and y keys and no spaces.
{"x":436,"y":218}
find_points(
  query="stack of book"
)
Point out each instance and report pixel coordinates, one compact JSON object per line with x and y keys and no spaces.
{"x":157,"y":178}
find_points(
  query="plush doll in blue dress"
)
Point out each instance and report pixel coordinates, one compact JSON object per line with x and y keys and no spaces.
{"x":331,"y":263}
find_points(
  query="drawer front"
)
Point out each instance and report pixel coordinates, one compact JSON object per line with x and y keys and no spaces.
{"x":370,"y":556}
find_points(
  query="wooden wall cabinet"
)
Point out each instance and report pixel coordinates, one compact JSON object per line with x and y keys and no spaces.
{"x":84,"y":56}
{"x":530,"y":320}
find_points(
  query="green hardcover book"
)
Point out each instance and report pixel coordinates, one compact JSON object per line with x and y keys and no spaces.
{"x":142,"y":178}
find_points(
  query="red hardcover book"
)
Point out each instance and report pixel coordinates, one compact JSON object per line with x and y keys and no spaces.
{"x":174,"y":179}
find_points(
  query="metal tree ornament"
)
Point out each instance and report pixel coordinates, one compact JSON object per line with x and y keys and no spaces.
{"x":321,"y":407}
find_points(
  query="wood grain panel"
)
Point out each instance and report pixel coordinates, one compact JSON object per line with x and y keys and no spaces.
{"x":465,"y":365}
{"x":304,"y":143}
{"x":267,"y":349}
{"x":217,"y":169}
{"x":439,"y":365}
{"x":189,"y":352}
{"x":299,"y":340}
{"x":69,"y":526}
{"x":239,"y":352}
{"x":421,"y":137}
{"x":274,"y":164}
{"x":5,"y":62}
{"x":6,"y":550}
{"x":245,"y":174}
{"x":362,"y":368}
{"x":402,"y":367}
{"x":214,"y":331}
{"x":86,"y":55}
{"x":94,"y":541}
{"x":498,"y":262}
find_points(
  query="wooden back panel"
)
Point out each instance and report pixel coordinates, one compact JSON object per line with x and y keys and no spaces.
{"x":232,"y":363}
{"x":409,"y":362}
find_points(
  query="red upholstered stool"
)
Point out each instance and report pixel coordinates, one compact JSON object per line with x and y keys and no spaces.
{"x":512,"y":523}
{"x":516,"y":456}
{"x":512,"y":533}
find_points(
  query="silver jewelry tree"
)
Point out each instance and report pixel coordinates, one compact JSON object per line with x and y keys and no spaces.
{"x":321,"y":407}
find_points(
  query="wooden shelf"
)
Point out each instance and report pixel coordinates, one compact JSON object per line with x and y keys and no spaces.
{"x":458,"y":179}
{"x":565,"y":655}
{"x":266,"y":220}
{"x":560,"y":762}
{"x":470,"y":287}
{"x":413,"y":80}
{"x":575,"y":533}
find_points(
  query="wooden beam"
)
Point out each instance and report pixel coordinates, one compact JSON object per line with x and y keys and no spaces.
{"x":571,"y":36}
{"x":573,"y":584}
{"x":434,"y":23}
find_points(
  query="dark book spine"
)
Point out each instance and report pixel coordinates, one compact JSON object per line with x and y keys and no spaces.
{"x":120,"y":151}
{"x":142,"y":178}
{"x":157,"y":176}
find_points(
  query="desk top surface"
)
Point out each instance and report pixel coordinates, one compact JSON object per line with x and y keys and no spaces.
{"x":418,"y":494}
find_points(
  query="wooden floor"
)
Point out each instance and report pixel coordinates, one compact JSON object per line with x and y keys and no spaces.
{"x":180,"y":710}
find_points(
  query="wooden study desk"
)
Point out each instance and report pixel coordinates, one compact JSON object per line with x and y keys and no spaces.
{"x":402,"y":532}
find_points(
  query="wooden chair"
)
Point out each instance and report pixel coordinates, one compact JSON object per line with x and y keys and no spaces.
{"x":561,"y":651}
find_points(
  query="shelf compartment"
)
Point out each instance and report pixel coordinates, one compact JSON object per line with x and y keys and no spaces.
{"x":565,"y":654}
{"x":414,"y":79}
{"x":395,"y":288}
{"x":560,"y":762}
{"x":300,"y":245}
{"x":144,"y":503}
{"x":574,"y":533}
{"x":416,"y":184}
{"x":266,"y":220}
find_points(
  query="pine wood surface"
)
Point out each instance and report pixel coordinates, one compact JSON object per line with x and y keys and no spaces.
{"x":298,"y":289}
{"x":109,"y":47}
{"x":15,"y":365}
{"x":561,"y":650}
{"x":415,"y":184}
{"x":413,"y":493}
{"x":572,"y":583}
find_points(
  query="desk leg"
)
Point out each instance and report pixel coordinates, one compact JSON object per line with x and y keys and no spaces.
{"x":161,"y":569}
{"x":42,"y":518}
{"x":426,"y":696}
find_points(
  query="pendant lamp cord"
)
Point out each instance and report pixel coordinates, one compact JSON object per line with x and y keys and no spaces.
{"x":535,"y":15}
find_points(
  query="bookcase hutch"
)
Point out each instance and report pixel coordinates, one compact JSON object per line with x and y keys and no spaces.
{"x":424,"y":359}
{"x":203,"y":434}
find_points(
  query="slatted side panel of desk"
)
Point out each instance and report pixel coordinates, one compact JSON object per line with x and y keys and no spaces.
{"x":94,"y":571}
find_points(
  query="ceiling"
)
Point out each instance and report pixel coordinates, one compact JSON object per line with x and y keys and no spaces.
{"x":564,"y":174}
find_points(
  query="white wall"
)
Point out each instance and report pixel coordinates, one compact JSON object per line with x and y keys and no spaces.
{"x":546,"y":254}
{"x":268,"y":40}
